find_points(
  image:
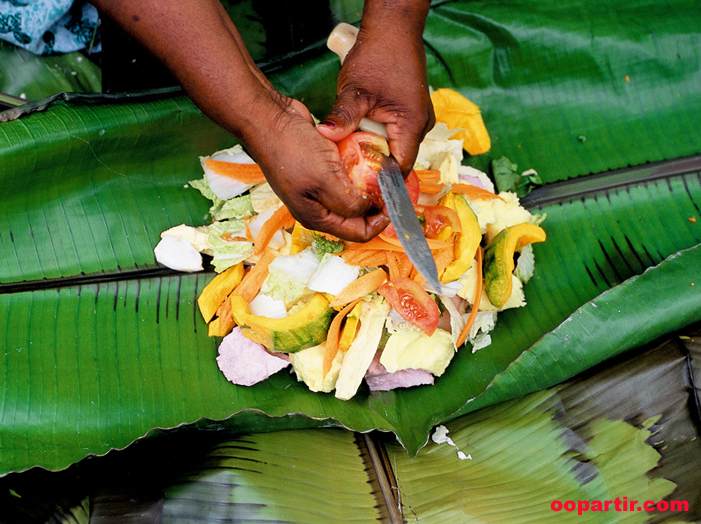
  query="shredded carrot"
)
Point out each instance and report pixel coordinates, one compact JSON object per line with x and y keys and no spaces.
{"x":282,"y":218}
{"x":443,"y":258}
{"x":367,"y":258}
{"x":333,"y":336}
{"x":360,"y":287}
{"x":433,"y":243}
{"x":476,"y":302}
{"x":376,"y":243}
{"x":394,"y":265}
{"x":474,"y":192}
{"x":429,"y":176}
{"x":406,"y":265}
{"x":246,"y":173}
{"x":252,"y":281}
{"x":417,"y":277}
{"x":431,"y":189}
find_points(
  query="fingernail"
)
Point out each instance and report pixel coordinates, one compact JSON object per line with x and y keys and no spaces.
{"x":328,"y":123}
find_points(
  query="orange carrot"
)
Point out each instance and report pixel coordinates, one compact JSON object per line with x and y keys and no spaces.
{"x":433,"y":243}
{"x":360,"y":287}
{"x":443,"y":258}
{"x":474,"y":192}
{"x":366,"y":258}
{"x":333,"y":336}
{"x":282,"y":218}
{"x":252,"y":281}
{"x":246,"y":173}
{"x":393,"y":264}
{"x":429,"y":176}
{"x":431,"y":189}
{"x":475,"y":304}
{"x":376,"y":243}
{"x":406,"y":265}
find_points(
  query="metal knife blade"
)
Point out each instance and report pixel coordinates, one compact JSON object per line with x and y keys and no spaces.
{"x":406,"y":223}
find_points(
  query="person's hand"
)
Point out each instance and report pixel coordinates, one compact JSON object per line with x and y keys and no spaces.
{"x":384,"y":78}
{"x":304,"y":169}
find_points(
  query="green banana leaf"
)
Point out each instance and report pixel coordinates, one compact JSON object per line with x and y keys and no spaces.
{"x":621,"y":431}
{"x":24,"y":74}
{"x":102,"y":347}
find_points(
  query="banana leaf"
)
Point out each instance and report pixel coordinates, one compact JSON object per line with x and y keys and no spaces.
{"x":102,"y":347}
{"x":24,"y":74}
{"x":625,"y":433}
{"x":620,"y":432}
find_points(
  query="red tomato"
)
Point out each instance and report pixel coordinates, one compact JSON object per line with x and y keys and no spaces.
{"x":412,"y":302}
{"x":437,"y":218}
{"x":361,"y":158}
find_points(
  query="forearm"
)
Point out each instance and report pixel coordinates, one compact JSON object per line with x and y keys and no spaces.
{"x":199,"y":44}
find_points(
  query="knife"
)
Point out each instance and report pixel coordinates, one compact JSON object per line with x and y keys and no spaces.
{"x":394,"y":191}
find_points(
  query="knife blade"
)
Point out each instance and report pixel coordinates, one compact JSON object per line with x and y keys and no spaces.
{"x":394,"y":191}
{"x":406,"y":223}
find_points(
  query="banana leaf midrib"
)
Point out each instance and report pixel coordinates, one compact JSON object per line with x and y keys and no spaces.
{"x":567,"y":190}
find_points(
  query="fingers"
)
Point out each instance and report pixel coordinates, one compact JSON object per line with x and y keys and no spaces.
{"x":354,"y":229}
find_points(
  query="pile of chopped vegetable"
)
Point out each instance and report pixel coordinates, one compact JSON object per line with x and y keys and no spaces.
{"x":339,"y":312}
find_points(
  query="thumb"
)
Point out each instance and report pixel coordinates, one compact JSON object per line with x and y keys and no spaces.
{"x":344,"y":117}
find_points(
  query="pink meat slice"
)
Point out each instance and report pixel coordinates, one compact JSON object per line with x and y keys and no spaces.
{"x":378,"y":379}
{"x":245,"y":362}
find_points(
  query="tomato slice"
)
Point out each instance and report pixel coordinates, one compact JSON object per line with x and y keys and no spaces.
{"x":361,"y":160}
{"x":412,"y":302}
{"x":437,"y":218}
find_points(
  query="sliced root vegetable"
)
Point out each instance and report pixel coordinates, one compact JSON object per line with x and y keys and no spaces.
{"x":246,"y":173}
{"x":377,"y":243}
{"x":474,"y":192}
{"x":282,"y":218}
{"x":476,"y":304}
{"x":363,"y":258}
{"x":429,"y":176}
{"x":394,"y":265}
{"x":433,"y":244}
{"x":334,"y":334}
{"x":252,"y":281}
{"x":360,"y":287}
{"x":215,"y":293}
{"x":431,"y":189}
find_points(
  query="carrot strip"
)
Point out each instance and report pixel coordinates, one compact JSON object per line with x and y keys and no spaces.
{"x":360,"y":287}
{"x":406,"y":265}
{"x":246,"y":173}
{"x":443,"y":258}
{"x":393,"y":264}
{"x":429,"y":176}
{"x":433,"y":244}
{"x":431,"y":189}
{"x":252,"y":281}
{"x":376,"y":243}
{"x":333,"y":336}
{"x":282,"y":218}
{"x":474,"y":192}
{"x":475,"y":304}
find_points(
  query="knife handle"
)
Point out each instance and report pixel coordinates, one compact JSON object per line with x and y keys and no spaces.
{"x":340,"y":41}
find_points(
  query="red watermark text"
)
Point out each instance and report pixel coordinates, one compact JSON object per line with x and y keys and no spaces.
{"x":618,"y":504}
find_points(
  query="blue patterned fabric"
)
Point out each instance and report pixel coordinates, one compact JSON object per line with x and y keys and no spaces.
{"x":49,"y":26}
